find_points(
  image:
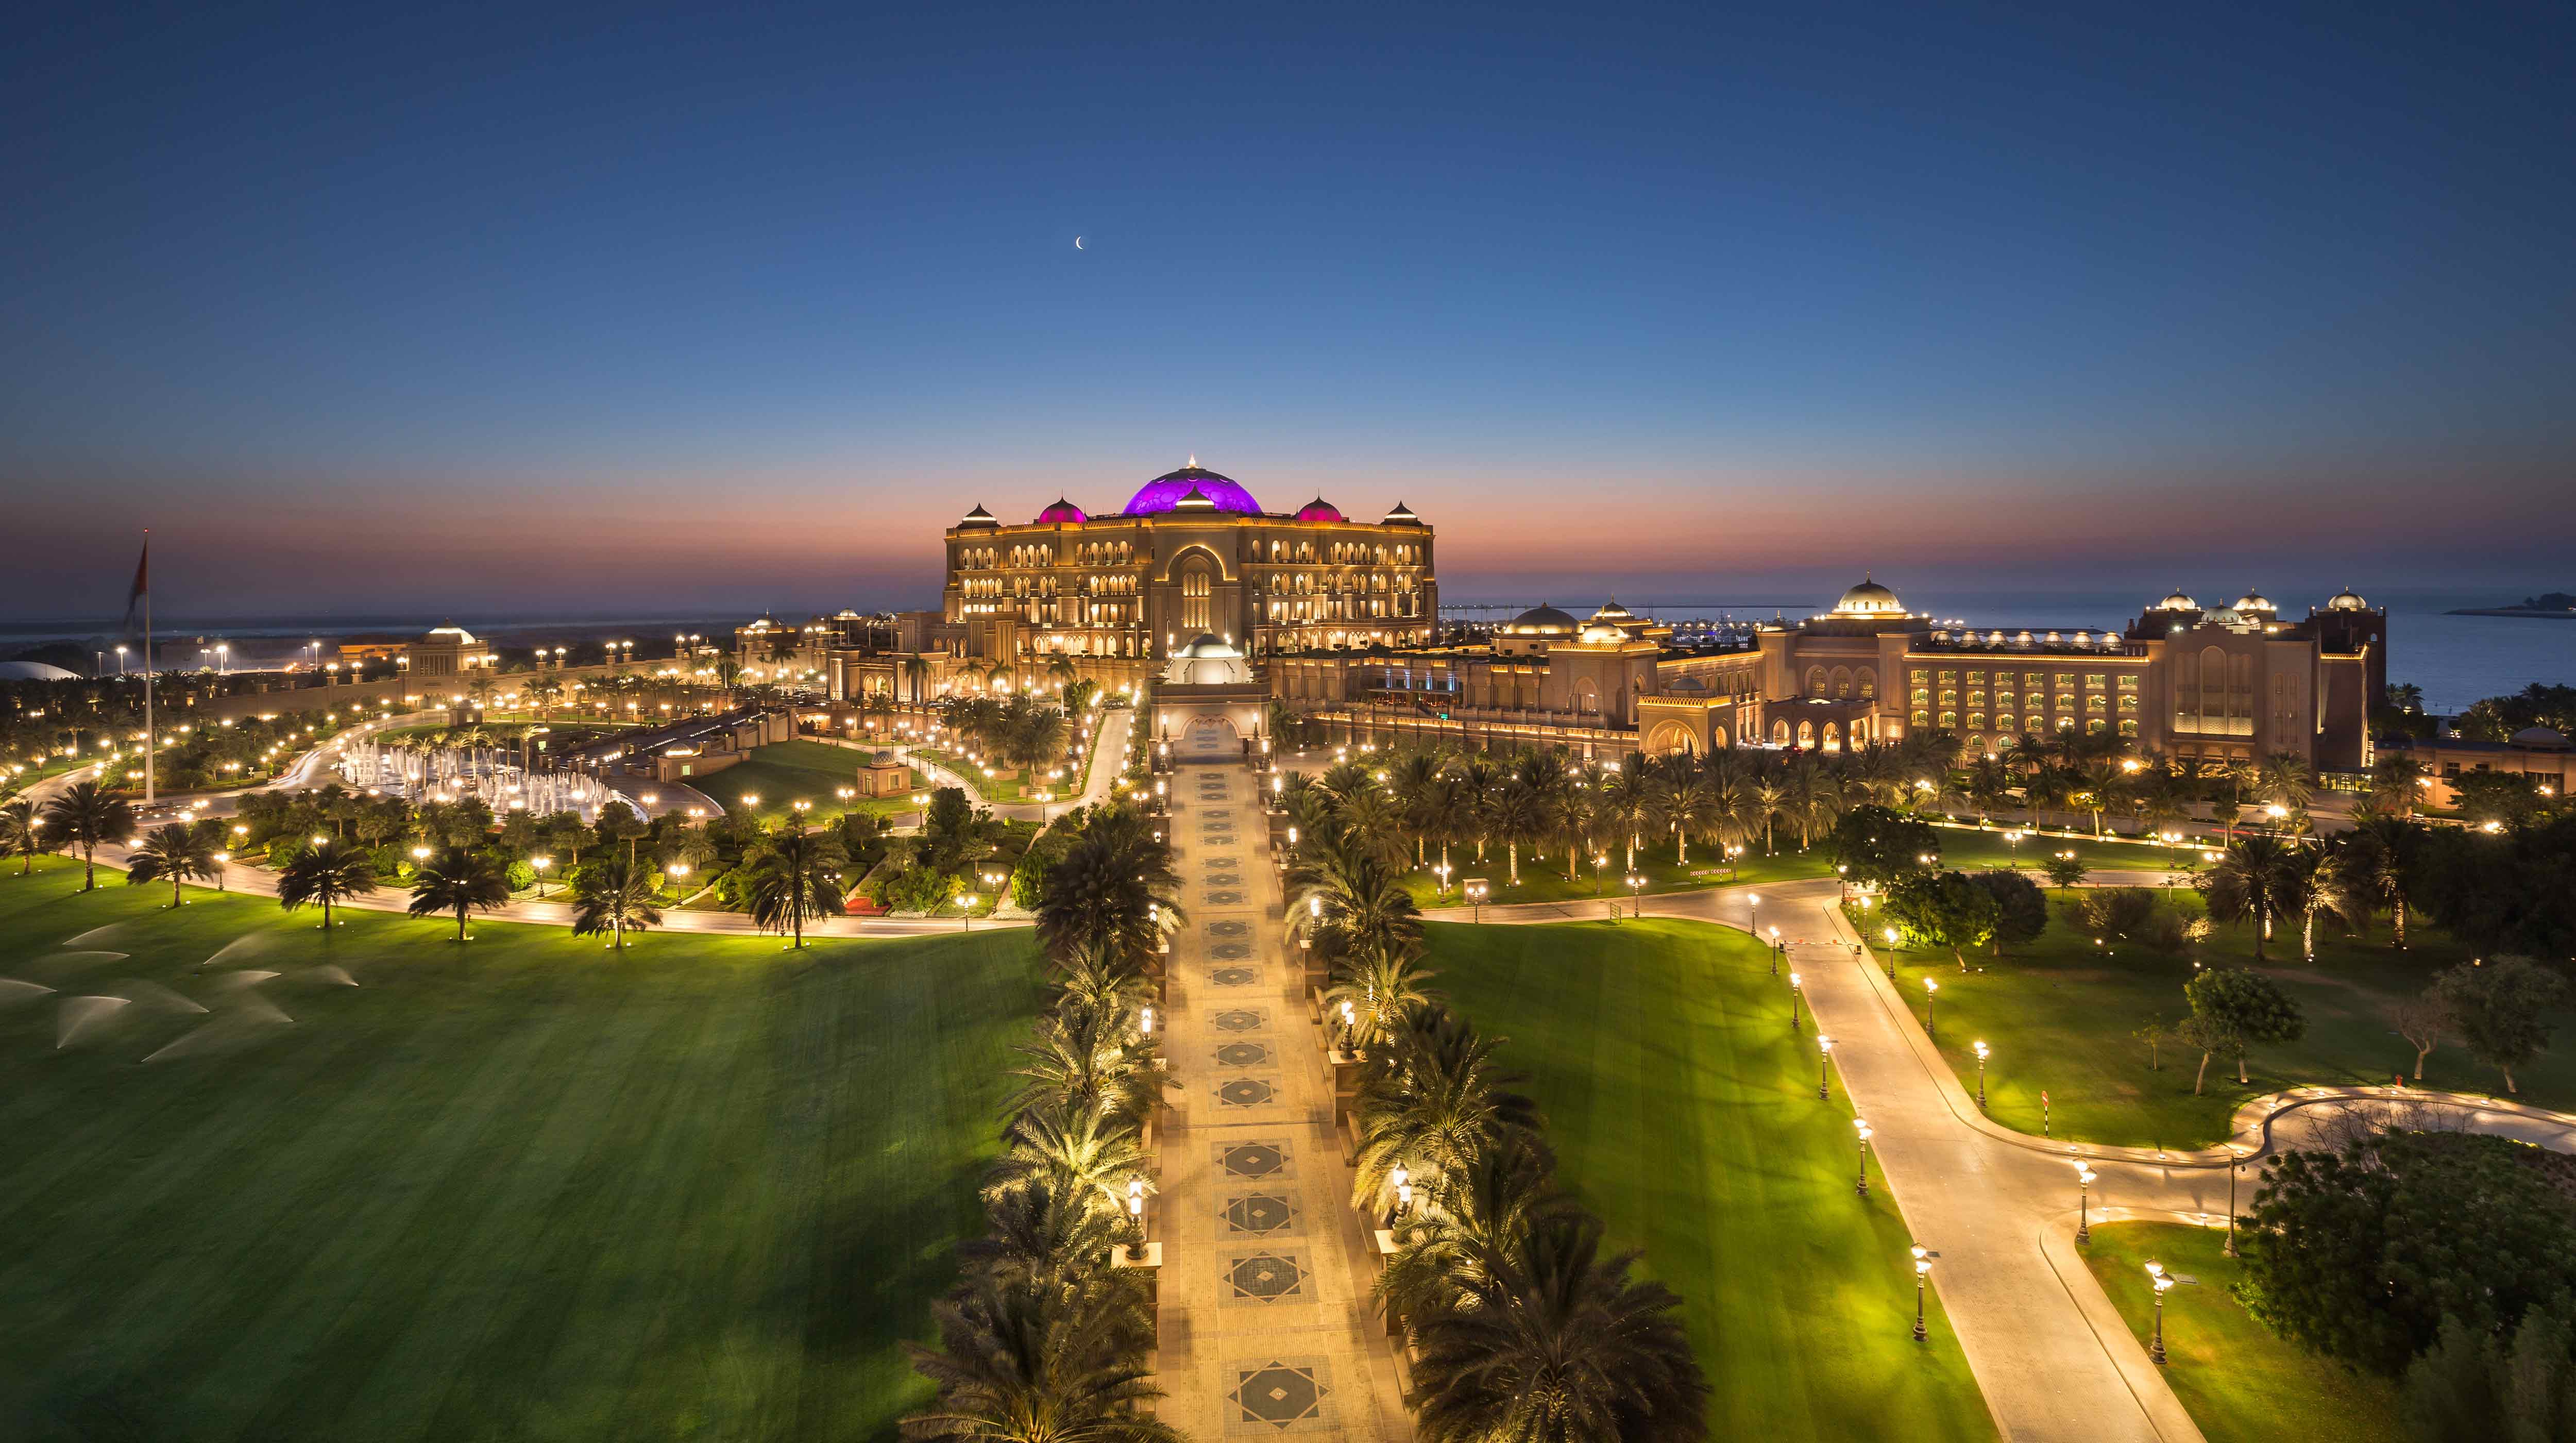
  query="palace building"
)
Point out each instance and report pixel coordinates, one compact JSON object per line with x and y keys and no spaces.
{"x":1338,"y":620}
{"x":1190,"y":554}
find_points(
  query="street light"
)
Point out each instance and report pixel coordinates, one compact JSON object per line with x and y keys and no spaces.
{"x":2235,"y":1160}
{"x":2156,"y":1274}
{"x":1824,"y":1067}
{"x":966,"y":911}
{"x":1793,"y":1001}
{"x":1860,"y":1188}
{"x":1778,"y":949}
{"x":1753,"y":900}
{"x":1477,"y":888}
{"x":1981,"y":1077}
{"x":1931,"y":994}
{"x":1637,"y":893}
{"x":2083,"y":1204}
{"x":1922,"y":1266}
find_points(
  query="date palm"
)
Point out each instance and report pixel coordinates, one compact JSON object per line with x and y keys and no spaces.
{"x":172,"y":854}
{"x":1448,"y":813}
{"x":1559,"y":1345}
{"x":2380,"y":853}
{"x":1373,"y":820}
{"x":1435,"y":1098}
{"x":1089,"y":1057}
{"x":1346,"y":891}
{"x":1021,"y":1361}
{"x":1102,"y":979}
{"x":796,"y":879}
{"x":2247,"y":884}
{"x":1040,"y":1235}
{"x":87,"y":815}
{"x":1380,"y":987}
{"x":1518,"y":814}
{"x":1115,"y":890}
{"x":2318,"y":883}
{"x":1084,"y":1150}
{"x":460,"y":880}
{"x":1464,"y":1219}
{"x":325,"y":875}
{"x":1412,"y":779}
{"x":1622,"y":803}
{"x":22,"y":832}
{"x":613,"y":896}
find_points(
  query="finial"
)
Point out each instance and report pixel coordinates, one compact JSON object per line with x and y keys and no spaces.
{"x":1194,"y":460}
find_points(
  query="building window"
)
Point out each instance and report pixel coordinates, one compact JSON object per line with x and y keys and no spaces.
{"x":1922,"y":718}
{"x":1949,"y":720}
{"x":1921,"y":677}
{"x":1195,"y":589}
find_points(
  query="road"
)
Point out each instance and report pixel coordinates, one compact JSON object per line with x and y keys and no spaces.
{"x":2055,"y":1360}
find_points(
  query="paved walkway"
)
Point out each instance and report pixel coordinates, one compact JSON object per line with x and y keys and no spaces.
{"x":2053,"y":1357}
{"x":1266,"y":1323}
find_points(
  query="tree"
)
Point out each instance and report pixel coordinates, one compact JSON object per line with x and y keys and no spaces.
{"x":2505,"y":798}
{"x":2423,"y":1021}
{"x":614,"y":896}
{"x":2064,"y":870}
{"x":795,"y":880}
{"x":458,"y":880}
{"x":1871,"y":844}
{"x":325,"y":874}
{"x":2379,"y":859}
{"x":22,"y":833}
{"x":2362,"y":1253}
{"x":87,"y":816}
{"x":2317,"y":883}
{"x":2021,"y":912}
{"x":2247,"y":884}
{"x":2248,"y":1006}
{"x":172,"y":853}
{"x":2472,"y":1387}
{"x":1434,"y":1098}
{"x":2156,"y":1034}
{"x":1025,"y":1361}
{"x":1556,"y":1344}
{"x":1114,"y":891}
{"x":2500,"y":1008}
{"x":1087,"y":1150}
{"x":1944,"y":909}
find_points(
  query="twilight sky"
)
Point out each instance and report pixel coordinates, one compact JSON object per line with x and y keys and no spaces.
{"x":589,"y":309}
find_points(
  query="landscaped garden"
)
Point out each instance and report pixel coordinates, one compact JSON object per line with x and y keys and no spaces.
{"x":2241,"y":1382}
{"x":784,"y":773}
{"x":525,"y":1187}
{"x":1685,"y":1113}
{"x":2062,"y":1014}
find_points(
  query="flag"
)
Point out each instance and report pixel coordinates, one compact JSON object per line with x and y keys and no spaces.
{"x":142,"y":584}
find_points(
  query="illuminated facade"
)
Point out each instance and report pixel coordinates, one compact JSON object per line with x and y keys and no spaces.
{"x":1192,"y":553}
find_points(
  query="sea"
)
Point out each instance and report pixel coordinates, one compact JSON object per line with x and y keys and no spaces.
{"x":2455,"y":659}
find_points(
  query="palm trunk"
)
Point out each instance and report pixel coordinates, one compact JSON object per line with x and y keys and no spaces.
{"x":1515,"y":849}
{"x":2201,"y":1076}
{"x":2240,"y":1068}
{"x":89,"y":860}
{"x":2308,"y":940}
{"x":2508,"y":1081}
{"x":2398,"y":913}
{"x":1681,"y":847}
{"x":174,"y":889}
{"x":326,"y":913}
{"x":460,"y":924}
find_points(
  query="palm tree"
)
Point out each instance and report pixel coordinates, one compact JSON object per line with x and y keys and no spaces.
{"x":1769,"y":795}
{"x":1085,"y":1150}
{"x":2396,"y":780}
{"x":1373,"y":820}
{"x":1413,"y":779}
{"x":1434,"y":1099}
{"x":2316,"y":884}
{"x":1518,"y":814}
{"x":172,"y":854}
{"x":2286,"y":781}
{"x":1464,"y":1219}
{"x":1557,"y":1344}
{"x":613,"y":895}
{"x":1042,"y":1236}
{"x":1381,"y":986}
{"x":21,"y":832}
{"x":1357,"y":897}
{"x":326,"y":873}
{"x":917,"y":671}
{"x":2380,"y":856}
{"x":1448,"y":814}
{"x":1024,"y":1361}
{"x":1089,"y":1057}
{"x":1989,"y":784}
{"x":1102,"y":979}
{"x":458,"y":880}
{"x":2247,"y":884}
{"x":1115,"y":890}
{"x":794,"y":880}
{"x":86,"y":815}
{"x":1623,"y":803}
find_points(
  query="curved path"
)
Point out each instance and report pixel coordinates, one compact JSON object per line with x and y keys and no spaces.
{"x":2054,"y":1359}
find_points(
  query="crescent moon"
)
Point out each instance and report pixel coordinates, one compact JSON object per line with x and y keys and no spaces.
{"x":1077,"y":242}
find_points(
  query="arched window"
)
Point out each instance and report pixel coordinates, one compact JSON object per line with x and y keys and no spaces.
{"x":1196,"y":587}
{"x":1842,"y":681}
{"x":1815,"y":681}
{"x":1869,"y":683}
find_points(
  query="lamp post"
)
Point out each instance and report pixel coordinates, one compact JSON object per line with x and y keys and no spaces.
{"x":1890,"y":955}
{"x":1793,"y":1001}
{"x":966,"y":911}
{"x":1931,"y":994}
{"x":1442,"y":870}
{"x":1860,"y":1188}
{"x":1981,"y":1076}
{"x":1599,"y":861}
{"x":1136,"y":1213}
{"x":1922,"y":1268}
{"x":1779,"y":949}
{"x":224,"y":859}
{"x":2157,"y":1275}
{"x":541,"y":864}
{"x":1824,"y":1067}
{"x":1636,"y":894}
{"x":2235,"y":1160}
{"x":2083,"y":1204}
{"x":1476,"y":890}
{"x":1753,"y":901}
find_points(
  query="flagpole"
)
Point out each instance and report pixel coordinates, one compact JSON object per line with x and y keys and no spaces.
{"x":151,"y":737}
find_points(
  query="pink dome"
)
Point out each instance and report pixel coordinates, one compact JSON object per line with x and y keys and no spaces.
{"x":1215,"y":493}
{"x":1062,"y":513}
{"x":1320,"y":509}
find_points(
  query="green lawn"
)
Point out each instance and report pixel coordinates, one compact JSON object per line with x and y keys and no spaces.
{"x":2061,"y":1012}
{"x":992,"y":789}
{"x":1544,"y":880}
{"x":784,"y":772}
{"x":1685,"y":1111}
{"x":2240,"y":1383}
{"x":522,"y":1189}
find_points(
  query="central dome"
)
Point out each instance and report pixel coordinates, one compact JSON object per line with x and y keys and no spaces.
{"x":1869,"y":599}
{"x":1164,"y":493}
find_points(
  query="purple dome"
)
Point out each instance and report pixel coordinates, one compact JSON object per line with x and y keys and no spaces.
{"x":1320,"y":509}
{"x":1164,"y":493}
{"x":1062,"y":513}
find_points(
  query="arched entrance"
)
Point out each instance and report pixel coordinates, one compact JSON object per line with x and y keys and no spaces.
{"x":1670,"y":736}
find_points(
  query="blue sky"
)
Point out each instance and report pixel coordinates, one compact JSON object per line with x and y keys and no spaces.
{"x":559,"y":306}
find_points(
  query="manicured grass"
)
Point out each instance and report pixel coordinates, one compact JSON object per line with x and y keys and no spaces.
{"x":2060,"y":1014}
{"x":2240,"y":1383}
{"x":525,"y":1188}
{"x":1543,"y":879}
{"x":783,"y":772}
{"x":992,"y":789}
{"x":1685,"y":1112}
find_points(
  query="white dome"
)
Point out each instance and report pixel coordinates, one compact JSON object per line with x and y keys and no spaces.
{"x":2347,"y":600}
{"x":2178,"y":600}
{"x":2540,"y":737}
{"x":34,"y":671}
{"x":1869,"y":599}
{"x":1207,"y":661}
{"x":2254,"y":601}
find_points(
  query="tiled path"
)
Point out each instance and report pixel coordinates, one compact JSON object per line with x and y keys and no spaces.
{"x":1266,"y":1323}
